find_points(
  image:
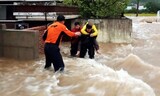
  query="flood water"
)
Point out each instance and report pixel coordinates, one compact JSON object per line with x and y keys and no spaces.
{"x":120,"y":70}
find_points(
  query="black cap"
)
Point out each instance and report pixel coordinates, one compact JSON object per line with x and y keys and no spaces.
{"x":88,"y":26}
{"x":60,"y":18}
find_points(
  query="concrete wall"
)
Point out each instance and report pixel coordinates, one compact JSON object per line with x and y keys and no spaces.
{"x":112,"y":30}
{"x":40,"y":29}
{"x":115,"y":30}
{"x":19,"y":44}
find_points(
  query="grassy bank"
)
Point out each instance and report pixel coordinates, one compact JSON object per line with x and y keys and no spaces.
{"x":143,"y":14}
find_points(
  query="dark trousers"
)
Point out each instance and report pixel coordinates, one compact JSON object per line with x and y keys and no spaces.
{"x":85,"y":48}
{"x":74,"y":48}
{"x":53,"y":56}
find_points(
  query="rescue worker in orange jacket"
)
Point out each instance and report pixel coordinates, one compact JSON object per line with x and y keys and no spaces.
{"x":51,"y":48}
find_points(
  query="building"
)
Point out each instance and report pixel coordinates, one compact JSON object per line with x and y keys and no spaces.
{"x":35,"y":12}
{"x":141,"y":7}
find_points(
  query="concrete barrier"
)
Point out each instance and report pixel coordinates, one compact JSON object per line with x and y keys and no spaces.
{"x":19,"y":44}
{"x":115,"y":30}
{"x":40,"y":30}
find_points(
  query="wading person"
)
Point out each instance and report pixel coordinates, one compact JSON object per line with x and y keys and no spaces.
{"x":88,"y":40}
{"x":75,"y":40}
{"x":94,"y":34}
{"x":52,"y":41}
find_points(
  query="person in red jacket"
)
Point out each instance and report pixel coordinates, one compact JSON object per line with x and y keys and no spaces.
{"x":52,"y":41}
{"x":75,"y":40}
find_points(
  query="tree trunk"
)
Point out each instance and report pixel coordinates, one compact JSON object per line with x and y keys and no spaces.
{"x":137,"y":7}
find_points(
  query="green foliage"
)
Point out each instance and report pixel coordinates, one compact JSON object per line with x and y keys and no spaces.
{"x":142,"y":1}
{"x":100,"y":8}
{"x":67,"y":2}
{"x":152,"y":7}
{"x":71,"y":2}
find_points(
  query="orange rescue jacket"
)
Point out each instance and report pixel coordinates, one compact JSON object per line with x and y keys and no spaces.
{"x":56,"y":31}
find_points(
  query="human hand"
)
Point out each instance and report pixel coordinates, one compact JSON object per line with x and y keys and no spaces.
{"x":92,"y":35}
{"x":77,"y":33}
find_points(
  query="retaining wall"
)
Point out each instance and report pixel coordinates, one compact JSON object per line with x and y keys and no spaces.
{"x":40,"y":30}
{"x":19,"y":44}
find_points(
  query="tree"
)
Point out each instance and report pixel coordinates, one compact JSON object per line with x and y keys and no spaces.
{"x":152,"y":6}
{"x":137,"y":7}
{"x":100,"y":8}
